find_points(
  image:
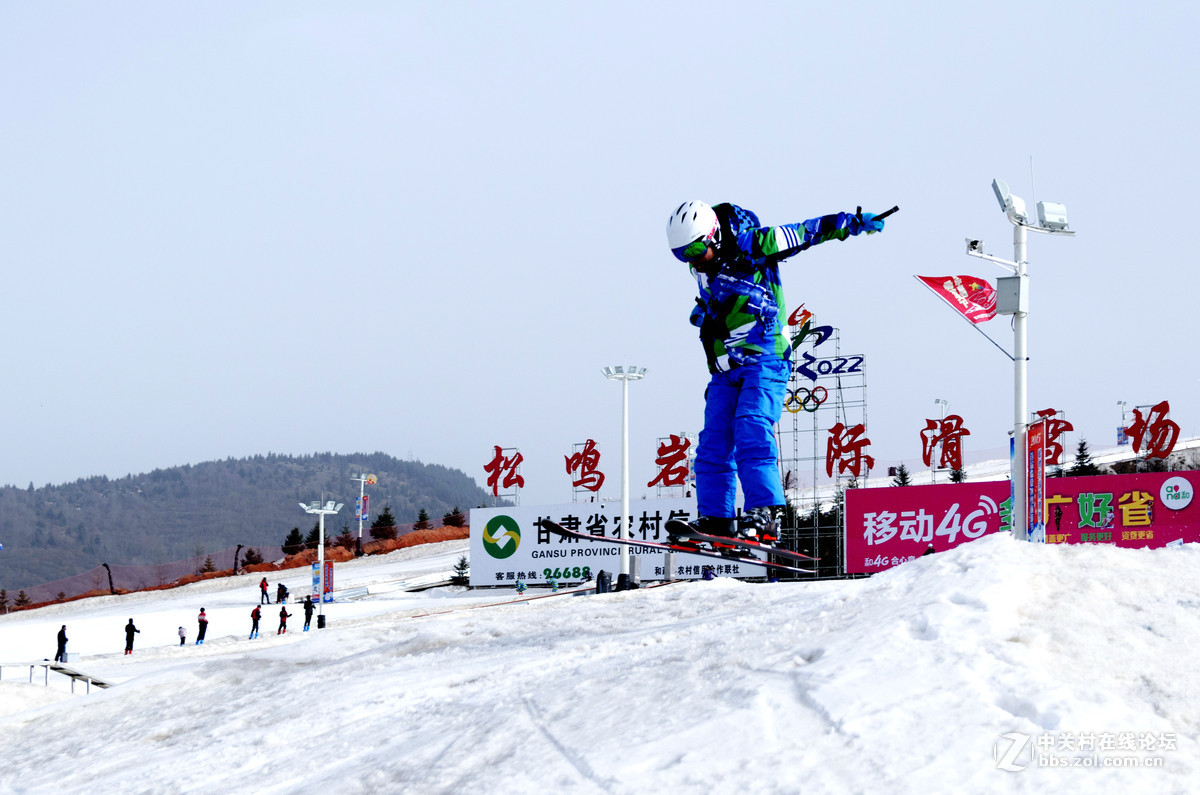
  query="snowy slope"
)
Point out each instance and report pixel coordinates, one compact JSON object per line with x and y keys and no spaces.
{"x":905,"y":682}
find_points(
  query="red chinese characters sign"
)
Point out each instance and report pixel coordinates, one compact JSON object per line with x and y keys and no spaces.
{"x":672,"y":462}
{"x":1154,"y":432}
{"x":502,"y":470}
{"x":584,"y":467}
{"x":847,"y":447}
{"x":889,"y":526}
{"x":1055,"y":427}
{"x":946,"y":435}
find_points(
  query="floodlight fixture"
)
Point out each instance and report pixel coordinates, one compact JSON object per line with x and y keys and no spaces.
{"x":624,"y":373}
{"x":1052,"y":215}
{"x":1013,"y":206}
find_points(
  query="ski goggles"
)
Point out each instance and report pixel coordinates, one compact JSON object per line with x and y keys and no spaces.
{"x":691,"y":252}
{"x":696,"y":249}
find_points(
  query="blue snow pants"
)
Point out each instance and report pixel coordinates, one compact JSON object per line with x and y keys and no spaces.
{"x":741,"y":407}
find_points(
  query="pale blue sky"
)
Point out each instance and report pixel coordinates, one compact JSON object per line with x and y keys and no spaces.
{"x":423,"y":228}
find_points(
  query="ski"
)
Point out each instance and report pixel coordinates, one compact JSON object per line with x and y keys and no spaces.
{"x":677,"y":529}
{"x":731,"y":557}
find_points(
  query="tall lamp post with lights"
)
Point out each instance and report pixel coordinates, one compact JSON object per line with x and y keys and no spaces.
{"x":1012,"y":298}
{"x":364,"y":480}
{"x":321,"y":509}
{"x":624,"y":374}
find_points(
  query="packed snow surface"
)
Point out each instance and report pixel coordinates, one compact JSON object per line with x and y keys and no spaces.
{"x":994,"y":667}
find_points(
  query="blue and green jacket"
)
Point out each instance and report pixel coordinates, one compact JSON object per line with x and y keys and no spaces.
{"x":741,"y":311}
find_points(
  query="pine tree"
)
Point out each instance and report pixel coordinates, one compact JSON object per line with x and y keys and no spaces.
{"x":384,"y":527}
{"x":455,"y":518}
{"x":1083,"y":466}
{"x":3,"y":600}
{"x":422,"y":522}
{"x":253,"y":557}
{"x":462,"y":571}
{"x":208,"y":566}
{"x":902,"y":477}
{"x":313,"y":539}
{"x":22,"y":599}
{"x":293,"y":543}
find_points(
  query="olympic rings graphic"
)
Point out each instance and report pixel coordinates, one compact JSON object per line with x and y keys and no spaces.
{"x":810,"y":401}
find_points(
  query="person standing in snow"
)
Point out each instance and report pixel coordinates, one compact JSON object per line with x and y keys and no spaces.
{"x":130,"y":629}
{"x":284,"y":615}
{"x":266,"y":598}
{"x":202,"y":620}
{"x":182,"y":636}
{"x":281,"y":594}
{"x":740,"y":312}
{"x":308,"y":611}
{"x":255,"y":615}
{"x":60,"y":656}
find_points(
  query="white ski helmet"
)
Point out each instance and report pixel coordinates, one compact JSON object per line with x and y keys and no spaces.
{"x":691,"y":221}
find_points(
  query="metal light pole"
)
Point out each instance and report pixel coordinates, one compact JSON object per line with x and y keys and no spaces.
{"x":943,"y":403}
{"x":321,"y":509}
{"x":624,"y":374}
{"x":1012,"y":298}
{"x":363,"y":481}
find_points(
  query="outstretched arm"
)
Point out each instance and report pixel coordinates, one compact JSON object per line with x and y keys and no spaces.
{"x":781,"y":242}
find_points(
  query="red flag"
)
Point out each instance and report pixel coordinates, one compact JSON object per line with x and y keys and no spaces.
{"x":974,"y":299}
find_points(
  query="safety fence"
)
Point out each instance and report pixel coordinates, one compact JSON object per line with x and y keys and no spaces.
{"x":138,"y":577}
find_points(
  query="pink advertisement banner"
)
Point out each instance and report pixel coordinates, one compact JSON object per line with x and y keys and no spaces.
{"x":889,"y":526}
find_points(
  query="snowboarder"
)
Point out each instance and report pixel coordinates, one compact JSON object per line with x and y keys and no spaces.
{"x":202,"y":620}
{"x":284,"y":615}
{"x":60,"y":656}
{"x":308,"y":611}
{"x":130,"y":629}
{"x":266,"y":597}
{"x":255,"y":615}
{"x":740,"y":314}
{"x":182,"y":636}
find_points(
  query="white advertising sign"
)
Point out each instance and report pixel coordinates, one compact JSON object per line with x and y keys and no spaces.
{"x":508,"y":544}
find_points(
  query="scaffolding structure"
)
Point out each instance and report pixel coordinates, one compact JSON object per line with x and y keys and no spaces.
{"x":827,"y":387}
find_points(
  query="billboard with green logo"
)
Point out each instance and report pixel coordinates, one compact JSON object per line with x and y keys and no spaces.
{"x":509,"y":546}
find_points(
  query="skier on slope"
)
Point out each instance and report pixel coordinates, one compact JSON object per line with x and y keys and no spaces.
{"x":308,"y":611}
{"x":130,"y":631}
{"x":740,"y":314}
{"x":202,"y":623}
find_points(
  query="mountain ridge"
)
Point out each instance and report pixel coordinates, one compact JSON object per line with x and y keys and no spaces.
{"x":167,"y":514}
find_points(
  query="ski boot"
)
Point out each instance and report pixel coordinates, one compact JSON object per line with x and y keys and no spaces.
{"x":761,"y":524}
